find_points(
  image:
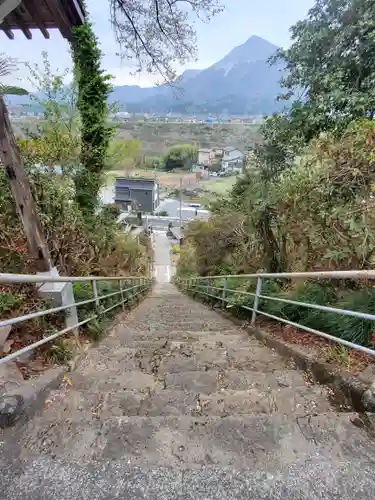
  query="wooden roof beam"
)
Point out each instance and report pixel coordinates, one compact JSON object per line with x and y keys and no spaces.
{"x":62,"y":23}
{"x":25,"y":30}
{"x":9,"y":33}
{"x":33,"y":11}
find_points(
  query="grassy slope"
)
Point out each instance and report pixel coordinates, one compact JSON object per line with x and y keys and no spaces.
{"x":220,"y":185}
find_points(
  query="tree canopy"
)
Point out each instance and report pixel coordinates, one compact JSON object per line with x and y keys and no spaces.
{"x":330,"y":65}
{"x":180,"y":156}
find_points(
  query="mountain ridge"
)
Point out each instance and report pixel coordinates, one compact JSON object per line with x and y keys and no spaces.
{"x":241,"y":83}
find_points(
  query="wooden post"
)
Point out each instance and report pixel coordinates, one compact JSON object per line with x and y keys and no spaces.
{"x":20,"y":186}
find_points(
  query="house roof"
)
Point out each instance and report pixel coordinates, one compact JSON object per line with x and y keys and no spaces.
{"x":27,"y":15}
{"x":227,"y":149}
{"x":146,"y":184}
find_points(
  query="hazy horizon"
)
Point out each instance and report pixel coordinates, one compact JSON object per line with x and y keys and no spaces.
{"x":240,"y":20}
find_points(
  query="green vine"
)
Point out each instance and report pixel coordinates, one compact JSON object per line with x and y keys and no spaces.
{"x":94,"y":88}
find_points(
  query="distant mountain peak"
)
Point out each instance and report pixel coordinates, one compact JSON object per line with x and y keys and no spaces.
{"x":259,"y":39}
{"x":254,"y":49}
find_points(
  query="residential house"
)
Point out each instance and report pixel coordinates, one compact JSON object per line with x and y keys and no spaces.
{"x":137,"y":194}
{"x":218,"y":152}
{"x":205,"y":157}
{"x":233,"y":160}
{"x":210,"y":156}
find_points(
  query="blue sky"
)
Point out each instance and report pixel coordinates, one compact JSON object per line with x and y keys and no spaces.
{"x":269,"y":19}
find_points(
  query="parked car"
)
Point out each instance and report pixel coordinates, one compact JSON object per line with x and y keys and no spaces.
{"x":194,"y":205}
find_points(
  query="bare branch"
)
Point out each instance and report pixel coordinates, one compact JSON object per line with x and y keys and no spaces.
{"x":157,"y":34}
{"x":7,"y":65}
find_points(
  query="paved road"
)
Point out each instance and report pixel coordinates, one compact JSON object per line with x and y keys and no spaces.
{"x":171,"y":206}
{"x":160,"y":223}
{"x":162,"y":257}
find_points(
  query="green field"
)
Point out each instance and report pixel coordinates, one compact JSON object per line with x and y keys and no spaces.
{"x":221,"y":185}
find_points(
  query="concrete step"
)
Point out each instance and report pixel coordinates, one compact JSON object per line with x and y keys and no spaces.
{"x":174,"y":357}
{"x":128,"y":337}
{"x":242,"y":381}
{"x":95,"y":375}
{"x":202,"y":382}
{"x":270,"y":442}
{"x":152,"y":327}
{"x":51,"y":478}
{"x":103,"y":405}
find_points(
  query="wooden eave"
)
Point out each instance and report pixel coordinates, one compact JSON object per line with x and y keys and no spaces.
{"x":44,"y":15}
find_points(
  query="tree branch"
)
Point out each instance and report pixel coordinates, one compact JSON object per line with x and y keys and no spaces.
{"x":157,"y":33}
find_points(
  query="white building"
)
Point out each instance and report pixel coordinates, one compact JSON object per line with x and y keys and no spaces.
{"x":232,"y":160}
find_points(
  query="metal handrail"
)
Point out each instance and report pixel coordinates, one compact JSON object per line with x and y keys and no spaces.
{"x":204,"y":285}
{"x":44,"y":312}
{"x":142,"y":284}
{"x":40,"y":278}
{"x":360,"y":274}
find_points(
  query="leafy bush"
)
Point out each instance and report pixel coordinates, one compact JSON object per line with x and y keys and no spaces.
{"x":123,"y":153}
{"x":309,"y":292}
{"x":176,"y":249}
{"x":60,"y":352}
{"x":96,"y":328}
{"x":353,"y":329}
{"x":154,"y":162}
{"x":180,"y":157}
{"x":83,"y":237}
{"x":9,"y":301}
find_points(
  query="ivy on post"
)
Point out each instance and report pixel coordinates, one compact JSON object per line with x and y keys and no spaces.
{"x":94,"y":88}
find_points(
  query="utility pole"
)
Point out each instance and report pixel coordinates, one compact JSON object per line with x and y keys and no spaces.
{"x":180,"y":206}
{"x":21,"y":191}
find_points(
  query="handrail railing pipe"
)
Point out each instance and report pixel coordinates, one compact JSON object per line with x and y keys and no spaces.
{"x":134,"y":286}
{"x":218,"y":288}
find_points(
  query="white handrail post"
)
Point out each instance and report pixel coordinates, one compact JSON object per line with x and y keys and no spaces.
{"x":258,"y":291}
{"x":122,"y":295}
{"x":71,"y":314}
{"x":224,"y":293}
{"x":95,"y":292}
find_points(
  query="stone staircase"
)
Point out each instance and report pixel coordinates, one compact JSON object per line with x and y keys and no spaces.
{"x":178,"y":403}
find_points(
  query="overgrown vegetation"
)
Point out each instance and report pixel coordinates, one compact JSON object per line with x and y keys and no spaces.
{"x":308,"y":204}
{"x":83,"y":237}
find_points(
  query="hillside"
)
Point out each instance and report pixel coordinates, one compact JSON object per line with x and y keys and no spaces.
{"x":157,"y":137}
